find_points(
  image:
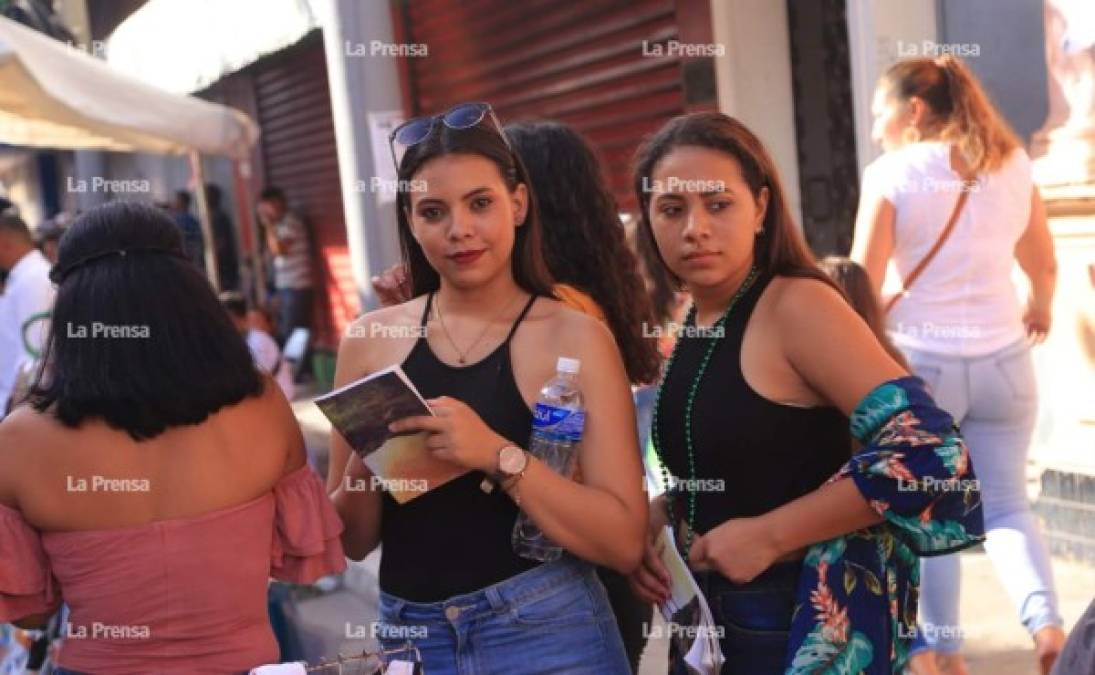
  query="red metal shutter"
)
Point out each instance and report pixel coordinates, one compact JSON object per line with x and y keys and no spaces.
{"x":298,"y":155}
{"x":578,"y":62}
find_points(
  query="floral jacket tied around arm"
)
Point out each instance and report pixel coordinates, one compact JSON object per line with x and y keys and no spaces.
{"x":856,"y":603}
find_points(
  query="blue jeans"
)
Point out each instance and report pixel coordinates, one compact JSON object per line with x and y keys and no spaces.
{"x":294,"y":311}
{"x":754,"y":619}
{"x":554,"y":618}
{"x":994,"y":399}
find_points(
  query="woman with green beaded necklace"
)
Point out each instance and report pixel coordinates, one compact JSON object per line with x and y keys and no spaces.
{"x":807,"y":557}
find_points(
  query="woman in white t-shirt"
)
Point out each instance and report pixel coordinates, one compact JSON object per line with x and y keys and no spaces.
{"x":960,"y":323}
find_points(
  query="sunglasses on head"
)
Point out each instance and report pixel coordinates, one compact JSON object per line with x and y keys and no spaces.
{"x":460,"y":116}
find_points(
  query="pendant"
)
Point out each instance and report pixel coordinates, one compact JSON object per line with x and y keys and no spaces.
{"x":461,"y":360}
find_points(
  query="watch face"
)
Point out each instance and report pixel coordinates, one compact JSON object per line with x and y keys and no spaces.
{"x":511,"y":460}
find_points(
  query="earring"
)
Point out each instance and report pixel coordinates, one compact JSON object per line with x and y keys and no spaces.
{"x":910,"y":135}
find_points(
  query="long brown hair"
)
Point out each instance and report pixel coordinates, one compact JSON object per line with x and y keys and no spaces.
{"x":961,"y":109}
{"x":856,"y":284}
{"x":781,"y":248}
{"x":530,"y":272}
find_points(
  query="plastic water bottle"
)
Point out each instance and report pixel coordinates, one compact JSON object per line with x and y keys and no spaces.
{"x":557,"y":424}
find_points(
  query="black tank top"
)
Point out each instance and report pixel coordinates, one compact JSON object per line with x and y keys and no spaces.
{"x":456,"y":539}
{"x":766,"y":453}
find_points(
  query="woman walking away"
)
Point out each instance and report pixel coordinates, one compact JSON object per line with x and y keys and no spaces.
{"x":157,"y":479}
{"x":953,"y":204}
{"x":808,"y":559}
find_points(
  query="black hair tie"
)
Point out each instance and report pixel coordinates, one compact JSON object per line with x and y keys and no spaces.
{"x":58,"y":274}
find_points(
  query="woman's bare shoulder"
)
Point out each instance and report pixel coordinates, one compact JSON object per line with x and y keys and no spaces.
{"x":374,"y":337}
{"x":26,"y":438}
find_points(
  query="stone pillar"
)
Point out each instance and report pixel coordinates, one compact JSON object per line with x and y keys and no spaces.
{"x":365,"y":96}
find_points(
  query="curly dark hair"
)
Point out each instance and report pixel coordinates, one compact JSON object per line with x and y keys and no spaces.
{"x":584,"y":242}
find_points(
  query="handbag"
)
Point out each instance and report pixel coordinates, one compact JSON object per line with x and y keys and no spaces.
{"x":919,"y":269}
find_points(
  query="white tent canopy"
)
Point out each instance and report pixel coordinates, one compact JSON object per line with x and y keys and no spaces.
{"x":55,"y":96}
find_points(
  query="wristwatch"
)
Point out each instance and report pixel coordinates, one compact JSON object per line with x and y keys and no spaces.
{"x":512,"y":461}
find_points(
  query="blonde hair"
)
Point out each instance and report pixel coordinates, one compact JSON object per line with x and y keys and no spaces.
{"x":968,"y":119}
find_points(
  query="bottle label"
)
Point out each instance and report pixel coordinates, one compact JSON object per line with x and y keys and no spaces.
{"x":560,"y":424}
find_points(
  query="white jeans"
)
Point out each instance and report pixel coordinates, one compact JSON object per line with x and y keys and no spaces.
{"x":994,"y":399}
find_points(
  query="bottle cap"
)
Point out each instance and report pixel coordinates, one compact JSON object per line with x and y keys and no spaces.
{"x":565,"y":365}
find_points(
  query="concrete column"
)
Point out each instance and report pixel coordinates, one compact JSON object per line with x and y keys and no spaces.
{"x":754,"y":80}
{"x":364,"y":87}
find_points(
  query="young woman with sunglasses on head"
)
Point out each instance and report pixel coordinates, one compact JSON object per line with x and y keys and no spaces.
{"x":803,"y":574}
{"x":479,"y":339}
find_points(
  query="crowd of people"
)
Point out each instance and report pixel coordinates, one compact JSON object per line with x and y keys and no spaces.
{"x":823,"y":445}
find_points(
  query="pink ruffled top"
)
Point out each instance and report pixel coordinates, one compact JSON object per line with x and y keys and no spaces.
{"x":174,"y":596}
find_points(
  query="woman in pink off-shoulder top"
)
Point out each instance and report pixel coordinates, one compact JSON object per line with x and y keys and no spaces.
{"x":156,"y":480}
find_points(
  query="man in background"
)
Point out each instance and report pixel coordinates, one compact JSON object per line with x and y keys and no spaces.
{"x":224,"y":238}
{"x":28,"y":293}
{"x":288,"y":242}
{"x":191,"y":229}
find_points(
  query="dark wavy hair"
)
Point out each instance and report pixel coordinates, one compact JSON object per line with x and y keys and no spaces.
{"x":585,"y":243}
{"x":171,"y":357}
{"x":528,"y":266}
{"x":781,"y":249}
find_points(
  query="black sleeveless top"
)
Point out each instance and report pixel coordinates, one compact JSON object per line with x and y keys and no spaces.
{"x":456,"y":539}
{"x":766,"y":453}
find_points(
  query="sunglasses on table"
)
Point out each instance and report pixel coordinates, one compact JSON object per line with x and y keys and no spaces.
{"x":460,"y":116}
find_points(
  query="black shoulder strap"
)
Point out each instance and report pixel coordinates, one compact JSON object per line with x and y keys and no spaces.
{"x":521,"y":317}
{"x":426,"y":312}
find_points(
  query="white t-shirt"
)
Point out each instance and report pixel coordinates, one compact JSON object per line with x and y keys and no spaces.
{"x":28,"y":292}
{"x":268,"y":358}
{"x":964,"y":303}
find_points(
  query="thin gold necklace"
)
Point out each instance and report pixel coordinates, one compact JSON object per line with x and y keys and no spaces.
{"x":462,"y":355}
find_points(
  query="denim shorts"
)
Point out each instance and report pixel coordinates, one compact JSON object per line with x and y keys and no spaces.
{"x":554,"y":618}
{"x":754,"y":618}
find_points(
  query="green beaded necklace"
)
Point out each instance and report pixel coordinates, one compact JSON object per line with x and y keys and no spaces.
{"x":655,"y":436}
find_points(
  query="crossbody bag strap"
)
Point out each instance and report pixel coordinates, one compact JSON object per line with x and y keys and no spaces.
{"x":943,"y":236}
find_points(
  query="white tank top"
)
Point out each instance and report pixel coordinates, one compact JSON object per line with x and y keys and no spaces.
{"x":964,"y":303}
